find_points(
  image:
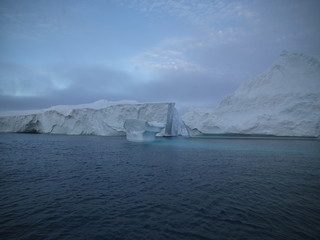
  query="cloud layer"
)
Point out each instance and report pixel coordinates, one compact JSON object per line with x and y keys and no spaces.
{"x":192,"y":52}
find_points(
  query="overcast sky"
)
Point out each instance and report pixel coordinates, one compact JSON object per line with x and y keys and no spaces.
{"x":192,"y":52}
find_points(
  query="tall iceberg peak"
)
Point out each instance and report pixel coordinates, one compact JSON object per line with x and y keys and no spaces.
{"x":282,"y":101}
{"x":291,"y":73}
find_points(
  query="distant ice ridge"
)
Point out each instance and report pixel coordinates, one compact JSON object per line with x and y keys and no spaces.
{"x":66,"y":109}
{"x":102,"y":118}
{"x":283,"y":101}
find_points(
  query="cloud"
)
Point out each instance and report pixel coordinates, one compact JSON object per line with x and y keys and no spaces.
{"x":183,"y":86}
{"x":213,"y":25}
{"x":287,"y":22}
{"x":60,"y":84}
{"x":204,"y":14}
{"x":37,"y":20}
{"x":161,"y":59}
{"x":19,"y":80}
{"x":239,"y":36}
{"x":191,"y":51}
{"x":25,"y":87}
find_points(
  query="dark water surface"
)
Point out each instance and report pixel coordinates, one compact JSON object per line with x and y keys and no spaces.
{"x":83,"y":187}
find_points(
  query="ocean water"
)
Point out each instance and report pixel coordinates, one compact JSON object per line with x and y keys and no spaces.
{"x":87,"y":187}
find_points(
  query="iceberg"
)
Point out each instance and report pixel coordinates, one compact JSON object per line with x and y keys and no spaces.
{"x":142,"y":131}
{"x":102,"y":118}
{"x":283,"y":101}
{"x":66,"y":109}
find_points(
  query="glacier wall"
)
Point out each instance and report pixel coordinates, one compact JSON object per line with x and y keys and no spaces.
{"x":107,"y":121}
{"x":283,"y":101}
{"x":142,"y":131}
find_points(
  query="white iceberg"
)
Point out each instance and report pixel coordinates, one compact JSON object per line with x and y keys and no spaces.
{"x":142,"y":131}
{"x":283,"y":101}
{"x":66,"y":109}
{"x":104,"y":119}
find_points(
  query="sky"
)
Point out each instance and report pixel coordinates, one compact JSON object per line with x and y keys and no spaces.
{"x":192,"y":52}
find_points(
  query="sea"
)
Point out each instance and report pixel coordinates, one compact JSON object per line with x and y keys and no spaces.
{"x":90,"y":187}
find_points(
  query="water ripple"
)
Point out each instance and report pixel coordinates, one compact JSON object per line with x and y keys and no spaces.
{"x":64,"y":187}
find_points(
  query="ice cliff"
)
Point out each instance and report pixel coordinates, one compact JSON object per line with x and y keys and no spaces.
{"x":142,"y":131}
{"x":100,"y":118}
{"x":283,"y":101}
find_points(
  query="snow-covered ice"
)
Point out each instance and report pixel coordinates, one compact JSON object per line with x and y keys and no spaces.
{"x":142,"y":131}
{"x":283,"y":101}
{"x":100,"y":118}
{"x":66,"y":109}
